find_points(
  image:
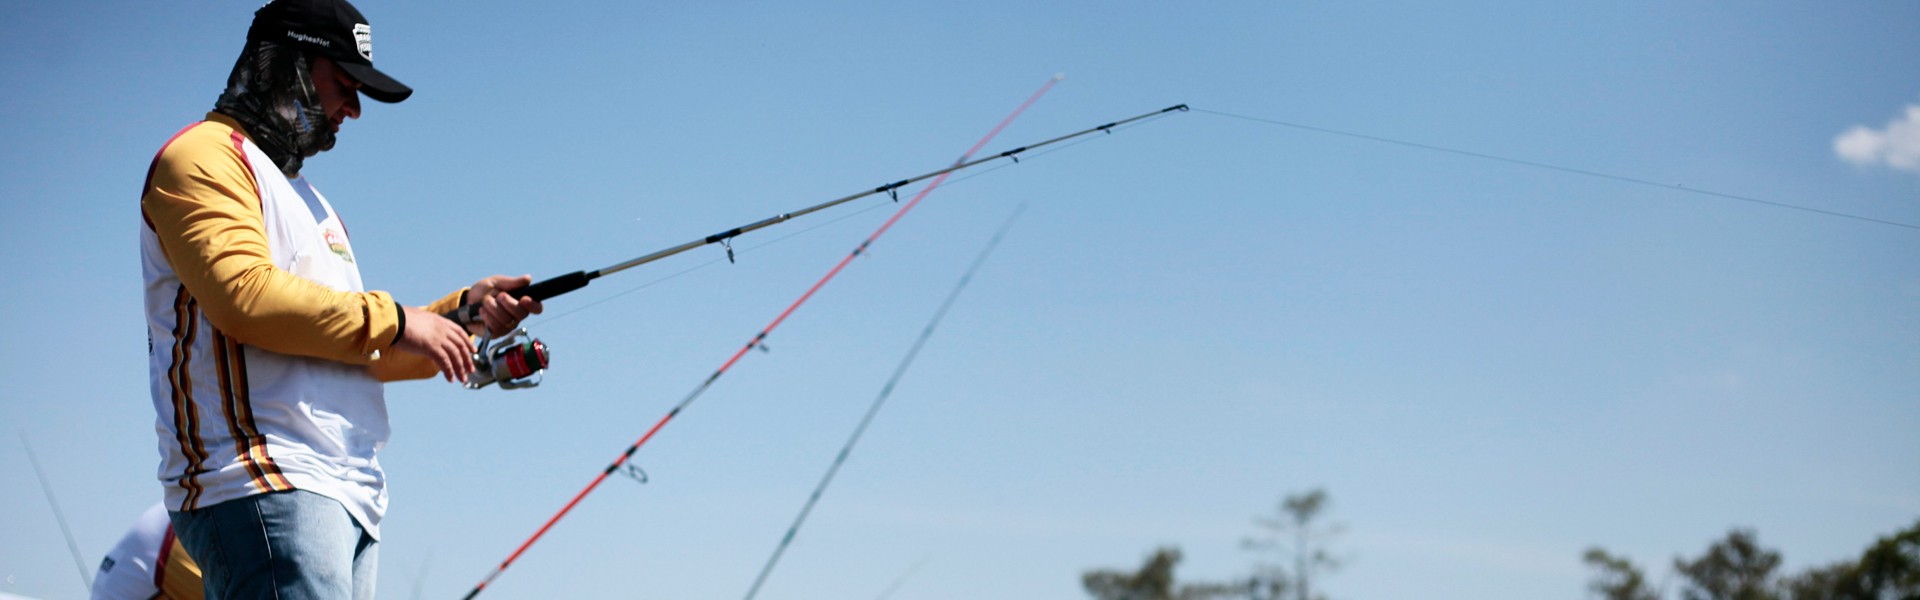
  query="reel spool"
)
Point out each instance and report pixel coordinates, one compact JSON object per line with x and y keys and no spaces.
{"x":515,"y":361}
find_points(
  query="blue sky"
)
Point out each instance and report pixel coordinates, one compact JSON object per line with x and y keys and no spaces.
{"x":1490,"y":367}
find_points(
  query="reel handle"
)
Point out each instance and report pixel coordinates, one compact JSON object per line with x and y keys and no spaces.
{"x":469,"y":315}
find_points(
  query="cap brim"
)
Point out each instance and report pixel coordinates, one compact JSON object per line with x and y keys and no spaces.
{"x":377,"y":85}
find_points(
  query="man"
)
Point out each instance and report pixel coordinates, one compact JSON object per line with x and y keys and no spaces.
{"x":266,"y":352}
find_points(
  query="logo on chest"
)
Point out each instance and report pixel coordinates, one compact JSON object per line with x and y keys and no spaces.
{"x":338,"y":244}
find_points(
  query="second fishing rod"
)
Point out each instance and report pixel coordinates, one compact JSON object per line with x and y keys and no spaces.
{"x":518,"y":360}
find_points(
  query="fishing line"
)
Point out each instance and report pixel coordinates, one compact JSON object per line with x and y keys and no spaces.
{"x":1553,"y":167}
{"x":886,"y":391}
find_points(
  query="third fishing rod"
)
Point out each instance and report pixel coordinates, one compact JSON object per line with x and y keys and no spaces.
{"x":517,"y":360}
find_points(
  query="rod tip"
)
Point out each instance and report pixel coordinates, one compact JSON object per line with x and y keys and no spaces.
{"x":1059,"y":76}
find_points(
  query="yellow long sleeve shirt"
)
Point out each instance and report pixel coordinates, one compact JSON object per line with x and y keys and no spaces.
{"x":267,"y":352}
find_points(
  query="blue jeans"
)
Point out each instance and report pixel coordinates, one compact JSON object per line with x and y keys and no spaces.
{"x":294,"y":545}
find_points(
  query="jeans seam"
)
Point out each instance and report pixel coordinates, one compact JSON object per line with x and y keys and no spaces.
{"x":218,"y":547}
{"x":273,"y":566}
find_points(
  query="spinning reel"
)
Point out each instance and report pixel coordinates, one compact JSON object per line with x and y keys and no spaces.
{"x":515,"y":361}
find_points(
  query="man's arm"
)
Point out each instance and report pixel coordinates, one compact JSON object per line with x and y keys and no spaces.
{"x":202,"y":204}
{"x":398,"y":366}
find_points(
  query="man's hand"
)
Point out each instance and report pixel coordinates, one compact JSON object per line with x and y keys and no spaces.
{"x":439,"y":339}
{"x":499,"y":310}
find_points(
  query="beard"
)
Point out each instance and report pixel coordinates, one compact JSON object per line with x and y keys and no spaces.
{"x":270,"y":93}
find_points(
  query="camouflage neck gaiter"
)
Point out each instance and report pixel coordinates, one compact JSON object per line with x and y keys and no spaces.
{"x":271,"y":94}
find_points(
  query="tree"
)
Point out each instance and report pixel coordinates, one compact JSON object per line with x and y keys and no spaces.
{"x":1154,"y":581}
{"x":1736,"y":568}
{"x":1618,"y":578}
{"x":1822,"y":583}
{"x":1294,"y":532}
{"x":1889,"y":569}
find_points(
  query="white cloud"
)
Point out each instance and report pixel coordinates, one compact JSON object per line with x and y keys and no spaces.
{"x":1896,"y":146}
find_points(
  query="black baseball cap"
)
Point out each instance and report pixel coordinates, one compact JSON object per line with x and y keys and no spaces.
{"x":330,"y":28}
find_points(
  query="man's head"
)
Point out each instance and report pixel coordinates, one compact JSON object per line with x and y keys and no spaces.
{"x":328,"y":28}
{"x":300,"y":76}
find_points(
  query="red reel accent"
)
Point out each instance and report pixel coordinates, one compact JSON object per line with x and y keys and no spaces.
{"x":526,"y":358}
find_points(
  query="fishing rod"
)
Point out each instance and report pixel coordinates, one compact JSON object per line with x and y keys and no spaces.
{"x":902,"y":579}
{"x":751,"y":343}
{"x":518,"y":360}
{"x":86,"y":576}
{"x":886,"y":391}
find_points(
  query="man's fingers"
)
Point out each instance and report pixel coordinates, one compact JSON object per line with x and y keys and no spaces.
{"x":463,"y":353}
{"x":515,"y":308}
{"x":502,"y":312}
{"x":503,"y":283}
{"x":455,"y":354}
{"x":449,"y":367}
{"x":494,"y":314}
{"x":444,"y":361}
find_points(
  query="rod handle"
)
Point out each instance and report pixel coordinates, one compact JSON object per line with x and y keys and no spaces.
{"x":541,"y":290}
